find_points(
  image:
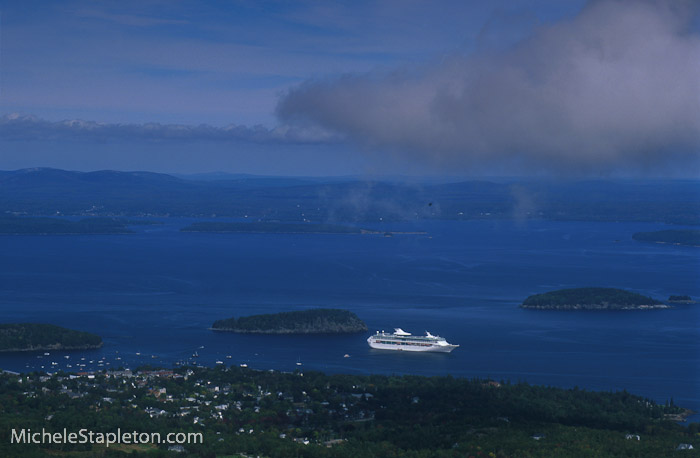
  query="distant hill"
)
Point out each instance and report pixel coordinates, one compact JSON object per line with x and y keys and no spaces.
{"x":314,"y":321}
{"x":34,"y":337}
{"x":52,"y":192}
{"x":591,"y":299}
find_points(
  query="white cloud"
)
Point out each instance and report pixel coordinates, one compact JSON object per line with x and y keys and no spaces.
{"x":618,"y":86}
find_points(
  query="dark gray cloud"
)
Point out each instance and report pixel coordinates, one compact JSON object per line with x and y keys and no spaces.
{"x":616,"y":87}
{"x":14,"y":127}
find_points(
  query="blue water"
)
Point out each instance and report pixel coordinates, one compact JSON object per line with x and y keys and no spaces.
{"x":157,"y":292}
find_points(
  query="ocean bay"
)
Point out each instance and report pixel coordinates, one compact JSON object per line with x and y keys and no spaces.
{"x":156,"y":292}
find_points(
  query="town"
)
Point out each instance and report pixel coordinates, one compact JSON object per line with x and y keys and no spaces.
{"x":235,"y":410}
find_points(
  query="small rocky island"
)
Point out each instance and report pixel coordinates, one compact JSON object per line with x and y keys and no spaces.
{"x":36,"y":337}
{"x":314,"y":321}
{"x":591,"y":299}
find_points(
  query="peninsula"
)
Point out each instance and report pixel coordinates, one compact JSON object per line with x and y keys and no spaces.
{"x":681,"y":299}
{"x":671,"y":236}
{"x":275,"y":228}
{"x":35,"y":337}
{"x":591,"y":299}
{"x":16,"y":225}
{"x":314,"y":321}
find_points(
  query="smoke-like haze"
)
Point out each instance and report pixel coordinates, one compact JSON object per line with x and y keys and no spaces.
{"x":616,"y":87}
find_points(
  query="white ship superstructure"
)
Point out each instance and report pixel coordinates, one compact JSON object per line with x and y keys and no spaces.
{"x":403,"y":341}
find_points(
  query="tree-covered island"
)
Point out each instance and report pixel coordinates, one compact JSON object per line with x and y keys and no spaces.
{"x":35,"y":337}
{"x":673,"y":237}
{"x":314,"y":321}
{"x":591,"y":299}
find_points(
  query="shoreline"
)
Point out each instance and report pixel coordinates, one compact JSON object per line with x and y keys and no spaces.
{"x":285,"y":332}
{"x":55,"y":347}
{"x":680,"y":417}
{"x":362,"y":232}
{"x":596,"y":307}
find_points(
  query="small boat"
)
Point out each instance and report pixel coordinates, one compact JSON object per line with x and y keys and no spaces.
{"x":219,"y":362}
{"x":244,"y":365}
{"x":228,"y":356}
{"x":346,"y":355}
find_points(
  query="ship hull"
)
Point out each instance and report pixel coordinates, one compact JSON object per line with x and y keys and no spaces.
{"x":418,"y":348}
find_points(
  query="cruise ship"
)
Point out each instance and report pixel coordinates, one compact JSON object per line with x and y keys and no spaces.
{"x":403,"y":341}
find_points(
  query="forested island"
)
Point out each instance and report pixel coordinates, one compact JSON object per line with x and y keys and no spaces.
{"x":56,"y":226}
{"x":314,"y":321}
{"x":671,"y":236}
{"x":236,"y":412}
{"x":275,"y":228}
{"x":591,"y":299}
{"x":35,"y":337}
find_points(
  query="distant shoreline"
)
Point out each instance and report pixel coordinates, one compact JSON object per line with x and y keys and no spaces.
{"x":267,"y":227}
{"x":363,"y":232}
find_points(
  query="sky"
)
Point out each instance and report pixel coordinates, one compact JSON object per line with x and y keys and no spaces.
{"x":436,"y":87}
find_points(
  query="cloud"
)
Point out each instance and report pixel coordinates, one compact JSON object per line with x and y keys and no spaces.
{"x":16,"y":127}
{"x":617,"y":86}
